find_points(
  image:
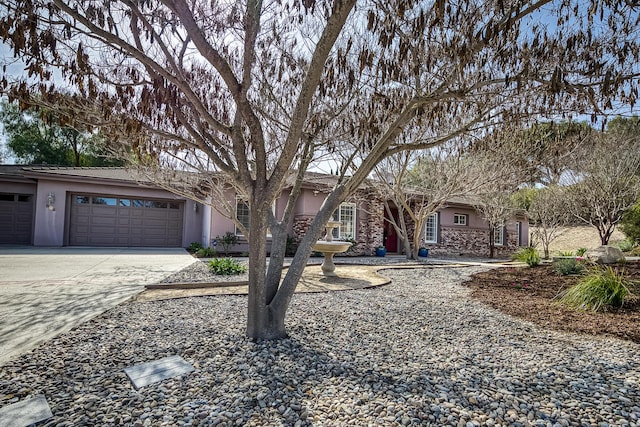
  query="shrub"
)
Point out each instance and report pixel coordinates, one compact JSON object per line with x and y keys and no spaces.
{"x":581,"y":251}
{"x":194,"y":247}
{"x":206,"y":253}
{"x":226,"y":267}
{"x":528,"y":255}
{"x":626,"y":245}
{"x":568,"y":266}
{"x":598,"y":291}
{"x":291,"y":246}
{"x":630,"y":224}
{"x":566,"y":253}
{"x":227,"y":241}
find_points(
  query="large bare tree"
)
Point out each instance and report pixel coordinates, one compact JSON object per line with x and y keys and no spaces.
{"x":257,"y":91}
{"x":607,"y":184}
{"x":549,"y":215}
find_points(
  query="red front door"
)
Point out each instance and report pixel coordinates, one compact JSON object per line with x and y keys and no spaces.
{"x":390,"y":235}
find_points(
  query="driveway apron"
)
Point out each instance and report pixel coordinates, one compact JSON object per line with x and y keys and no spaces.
{"x":47,"y":291}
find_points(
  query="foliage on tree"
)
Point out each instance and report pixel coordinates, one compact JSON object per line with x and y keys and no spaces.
{"x":251,"y":93}
{"x":554,"y":148}
{"x":36,"y":136}
{"x":630,"y":224}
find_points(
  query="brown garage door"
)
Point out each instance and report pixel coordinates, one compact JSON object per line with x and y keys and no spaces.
{"x":124,"y":221}
{"x":16,"y":218}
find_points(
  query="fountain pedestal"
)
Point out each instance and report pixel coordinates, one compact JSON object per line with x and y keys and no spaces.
{"x":329,"y":248}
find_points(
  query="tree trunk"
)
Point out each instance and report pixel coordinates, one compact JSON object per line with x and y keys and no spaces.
{"x":262,"y":322}
{"x":491,"y":241}
{"x":269,"y":296}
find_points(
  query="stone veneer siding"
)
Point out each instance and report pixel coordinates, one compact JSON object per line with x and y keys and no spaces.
{"x":463,"y":241}
{"x":369,"y":227}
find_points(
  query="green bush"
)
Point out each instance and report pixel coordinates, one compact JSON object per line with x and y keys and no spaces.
{"x":528,"y":255}
{"x":626,"y":245}
{"x":568,"y":266}
{"x":581,"y":251}
{"x":630,"y":224}
{"x":598,"y":291}
{"x":291,"y":246}
{"x":226,"y":267}
{"x":228,"y":240}
{"x":566,"y":253}
{"x":206,"y":253}
{"x":194,"y":247}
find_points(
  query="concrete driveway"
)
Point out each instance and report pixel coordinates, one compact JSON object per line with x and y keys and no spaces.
{"x":44,"y":292}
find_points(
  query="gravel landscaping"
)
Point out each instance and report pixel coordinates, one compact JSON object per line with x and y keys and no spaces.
{"x":417,"y":352}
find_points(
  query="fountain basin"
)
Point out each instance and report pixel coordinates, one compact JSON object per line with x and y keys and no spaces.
{"x":328,"y":249}
{"x":333,"y":246}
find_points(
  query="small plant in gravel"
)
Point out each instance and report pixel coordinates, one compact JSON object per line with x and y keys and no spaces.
{"x":206,"y":253}
{"x":581,"y":251}
{"x":519,"y":286}
{"x":194,"y":247}
{"x":600,"y":290}
{"x":528,"y":255}
{"x":564,"y":267}
{"x":226,"y":267}
{"x":566,"y":253}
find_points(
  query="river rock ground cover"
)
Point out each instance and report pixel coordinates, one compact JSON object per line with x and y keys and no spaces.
{"x":531,"y":294}
{"x":420,"y":351}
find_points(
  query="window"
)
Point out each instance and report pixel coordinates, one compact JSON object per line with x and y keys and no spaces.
{"x":105,"y":201}
{"x":242,"y":215}
{"x":155,"y":205}
{"x":125,"y":202}
{"x":498,"y":236}
{"x":431,"y":229}
{"x":459,"y":219}
{"x":346,"y":214}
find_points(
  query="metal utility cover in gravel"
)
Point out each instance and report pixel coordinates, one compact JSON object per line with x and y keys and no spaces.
{"x":152,"y":372}
{"x":25,"y":413}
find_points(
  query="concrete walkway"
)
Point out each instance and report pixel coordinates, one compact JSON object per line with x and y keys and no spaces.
{"x":44,"y":292}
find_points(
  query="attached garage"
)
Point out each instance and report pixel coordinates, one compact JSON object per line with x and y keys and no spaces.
{"x":103,"y":220}
{"x":16,"y":218}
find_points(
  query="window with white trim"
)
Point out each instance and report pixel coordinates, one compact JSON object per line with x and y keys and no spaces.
{"x":431,"y":229}
{"x":498,"y":236}
{"x":459,"y":219}
{"x":242,"y":215}
{"x":346,"y":214}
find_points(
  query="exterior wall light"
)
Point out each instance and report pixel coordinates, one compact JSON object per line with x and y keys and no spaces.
{"x":51,"y":201}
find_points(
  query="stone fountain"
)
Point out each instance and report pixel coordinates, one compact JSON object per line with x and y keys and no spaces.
{"x":329,"y":248}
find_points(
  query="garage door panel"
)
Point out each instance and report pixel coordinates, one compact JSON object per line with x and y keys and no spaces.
{"x":104,"y":221}
{"x":16,"y":218}
{"x":125,"y":222}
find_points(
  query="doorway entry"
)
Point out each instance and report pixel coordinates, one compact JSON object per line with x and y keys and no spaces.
{"x":390,"y":235}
